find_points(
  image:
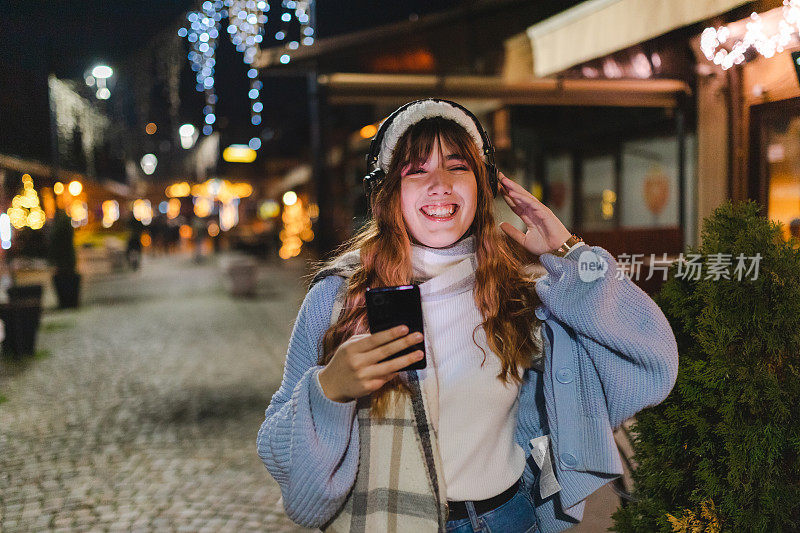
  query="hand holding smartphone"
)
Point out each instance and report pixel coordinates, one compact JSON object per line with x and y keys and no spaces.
{"x":388,"y":307}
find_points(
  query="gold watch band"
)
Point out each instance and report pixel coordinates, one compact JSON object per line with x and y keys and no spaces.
{"x":567,"y":245}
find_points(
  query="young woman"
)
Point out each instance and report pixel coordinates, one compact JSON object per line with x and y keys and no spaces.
{"x":509,"y":426}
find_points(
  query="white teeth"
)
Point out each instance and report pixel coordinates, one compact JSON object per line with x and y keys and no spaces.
{"x":439,"y":211}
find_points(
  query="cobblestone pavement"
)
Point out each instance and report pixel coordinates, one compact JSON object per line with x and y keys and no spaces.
{"x":144,"y":414}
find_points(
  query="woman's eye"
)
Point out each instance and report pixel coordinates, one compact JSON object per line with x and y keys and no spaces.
{"x":414,"y":171}
{"x":459,"y":168}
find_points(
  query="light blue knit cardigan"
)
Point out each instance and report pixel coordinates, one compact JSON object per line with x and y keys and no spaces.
{"x":609,"y":352}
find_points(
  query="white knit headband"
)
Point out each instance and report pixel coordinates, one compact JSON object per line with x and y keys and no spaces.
{"x":416,"y":112}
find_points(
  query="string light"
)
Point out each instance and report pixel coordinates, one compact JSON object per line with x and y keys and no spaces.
{"x":202,"y":34}
{"x":296,"y":226}
{"x":246,"y":21}
{"x":712,"y":39}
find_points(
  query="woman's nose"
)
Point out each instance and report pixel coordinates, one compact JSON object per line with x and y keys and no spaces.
{"x":440,"y":179}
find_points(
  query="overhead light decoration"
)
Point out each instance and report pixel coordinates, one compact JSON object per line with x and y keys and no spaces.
{"x":246,"y":23}
{"x":713,"y":41}
{"x":246,"y":18}
{"x":202,"y":34}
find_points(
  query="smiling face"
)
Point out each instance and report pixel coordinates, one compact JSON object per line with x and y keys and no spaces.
{"x":438,"y":197}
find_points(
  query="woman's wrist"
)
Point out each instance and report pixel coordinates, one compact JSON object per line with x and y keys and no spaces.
{"x":569,"y":244}
{"x":328,"y":389}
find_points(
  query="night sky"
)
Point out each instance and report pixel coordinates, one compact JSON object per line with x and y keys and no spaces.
{"x":65,"y":36}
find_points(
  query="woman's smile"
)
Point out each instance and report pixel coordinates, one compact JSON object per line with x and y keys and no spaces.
{"x":439,"y":213}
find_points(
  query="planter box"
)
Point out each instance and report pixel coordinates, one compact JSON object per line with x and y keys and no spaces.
{"x":21,"y":317}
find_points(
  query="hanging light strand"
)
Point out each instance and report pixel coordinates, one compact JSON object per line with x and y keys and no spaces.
{"x":246,"y":19}
{"x":756,"y":36}
{"x":202,"y":33}
{"x":246,"y":23}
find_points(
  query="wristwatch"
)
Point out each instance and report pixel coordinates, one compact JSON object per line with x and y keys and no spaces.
{"x":567,"y":246}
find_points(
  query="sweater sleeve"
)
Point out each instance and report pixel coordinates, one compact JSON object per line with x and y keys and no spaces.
{"x":612,"y":354}
{"x":308,"y":442}
{"x":628,"y":338}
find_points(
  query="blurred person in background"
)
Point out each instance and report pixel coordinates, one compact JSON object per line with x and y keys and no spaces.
{"x":133,"y":250}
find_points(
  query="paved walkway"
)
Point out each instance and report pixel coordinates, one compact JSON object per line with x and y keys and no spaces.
{"x":144,"y":414}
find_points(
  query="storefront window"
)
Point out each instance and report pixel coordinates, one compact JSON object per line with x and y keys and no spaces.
{"x":599,"y":193}
{"x":650,"y":183}
{"x":559,"y":187}
{"x":783,"y":168}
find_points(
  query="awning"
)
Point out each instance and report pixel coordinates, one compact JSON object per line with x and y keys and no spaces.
{"x":395,"y":89}
{"x":599,"y":27}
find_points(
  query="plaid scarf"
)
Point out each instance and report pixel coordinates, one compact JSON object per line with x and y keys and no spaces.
{"x":399,"y":486}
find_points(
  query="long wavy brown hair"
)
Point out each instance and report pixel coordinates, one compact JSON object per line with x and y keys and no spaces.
{"x":504,"y":293}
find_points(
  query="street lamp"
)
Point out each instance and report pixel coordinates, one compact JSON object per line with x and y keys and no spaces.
{"x":102,"y":72}
{"x":148,"y":163}
{"x":188,"y":135}
{"x":99,"y":76}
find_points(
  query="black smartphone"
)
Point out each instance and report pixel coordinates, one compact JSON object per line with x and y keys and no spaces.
{"x":388,"y":307}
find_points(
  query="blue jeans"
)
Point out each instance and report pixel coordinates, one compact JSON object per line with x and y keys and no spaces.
{"x":517,"y":515}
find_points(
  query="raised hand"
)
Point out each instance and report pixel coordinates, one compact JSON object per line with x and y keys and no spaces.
{"x":545,"y":232}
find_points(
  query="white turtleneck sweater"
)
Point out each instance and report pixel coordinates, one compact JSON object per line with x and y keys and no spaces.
{"x":474,"y":413}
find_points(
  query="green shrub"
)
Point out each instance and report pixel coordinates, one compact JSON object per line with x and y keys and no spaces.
{"x":729,"y":433}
